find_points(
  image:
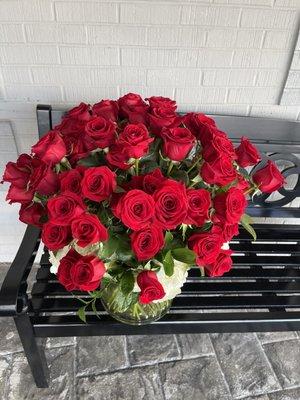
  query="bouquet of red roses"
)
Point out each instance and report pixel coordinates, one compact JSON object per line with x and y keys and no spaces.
{"x":129,"y":195}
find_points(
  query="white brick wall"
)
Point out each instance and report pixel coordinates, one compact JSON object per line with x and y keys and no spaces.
{"x":215,"y":56}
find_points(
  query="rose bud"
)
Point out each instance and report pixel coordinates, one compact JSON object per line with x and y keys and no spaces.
{"x":132,"y":107}
{"x":153,"y":181}
{"x":80,"y":112}
{"x":199,"y":202}
{"x":230,"y":206}
{"x":151,"y":288}
{"x":64,"y":269}
{"x":171,"y":204}
{"x":220,"y":172}
{"x":32,"y":214}
{"x":135,"y":209}
{"x":107,"y":109}
{"x":222,"y":264}
{"x":98,"y":183}
{"x":50,"y":148}
{"x":135,"y":140}
{"x":55,"y":236}
{"x":162,"y":117}
{"x":18,"y":173}
{"x":101,"y":131}
{"x":206,"y":245}
{"x":43,"y":179}
{"x":159,"y":101}
{"x":62,"y":209}
{"x":219,"y":146}
{"x":268,"y":179}
{"x":18,"y":195}
{"x":147,"y":242}
{"x":177,"y":143}
{"x":71,"y":181}
{"x":117,"y":158}
{"x":197,"y":123}
{"x":87,"y":230}
{"x":247,"y":154}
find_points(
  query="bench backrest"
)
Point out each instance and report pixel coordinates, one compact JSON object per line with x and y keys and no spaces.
{"x":277,"y":140}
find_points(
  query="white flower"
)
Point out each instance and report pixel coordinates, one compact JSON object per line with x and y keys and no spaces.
{"x":55,"y":258}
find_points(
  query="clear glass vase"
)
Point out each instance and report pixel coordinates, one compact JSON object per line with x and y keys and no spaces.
{"x":136,"y":313}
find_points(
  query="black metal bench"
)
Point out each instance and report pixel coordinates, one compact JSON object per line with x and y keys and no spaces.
{"x":261,"y":293}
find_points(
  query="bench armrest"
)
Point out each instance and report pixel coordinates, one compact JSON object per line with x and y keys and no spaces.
{"x":13,"y":290}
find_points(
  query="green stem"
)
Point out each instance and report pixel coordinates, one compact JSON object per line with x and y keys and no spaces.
{"x":194,"y":164}
{"x":136,"y":163}
{"x":170,"y":167}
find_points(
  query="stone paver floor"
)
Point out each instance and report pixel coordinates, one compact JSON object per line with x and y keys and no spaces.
{"x":262,"y":366}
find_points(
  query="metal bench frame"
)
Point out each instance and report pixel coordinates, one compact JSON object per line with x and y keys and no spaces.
{"x":261,"y":293}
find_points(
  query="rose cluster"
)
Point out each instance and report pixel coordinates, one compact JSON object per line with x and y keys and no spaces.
{"x":135,"y":187}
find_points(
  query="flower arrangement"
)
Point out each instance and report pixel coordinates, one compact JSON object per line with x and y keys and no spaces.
{"x":129,"y":195}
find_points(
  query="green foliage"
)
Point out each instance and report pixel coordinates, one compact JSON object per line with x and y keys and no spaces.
{"x":109,"y":247}
{"x":148,"y":166}
{"x":127,"y":282}
{"x":168,"y":263}
{"x":93,"y":160}
{"x":184,"y":255}
{"x":246,"y":220}
{"x":180,"y":175}
{"x":81,"y":313}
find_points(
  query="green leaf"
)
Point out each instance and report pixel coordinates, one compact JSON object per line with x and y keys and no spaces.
{"x":168,"y":264}
{"x":109,"y":247}
{"x":148,"y":166}
{"x":180,"y":175}
{"x":248,"y":227}
{"x":247,"y":219}
{"x":127,"y":282}
{"x":81,"y":314}
{"x":184,"y":255}
{"x":95,"y":309}
{"x":122,"y":302}
{"x":168,"y":237}
{"x":124,"y":251}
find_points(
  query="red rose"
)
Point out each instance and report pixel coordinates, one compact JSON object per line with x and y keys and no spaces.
{"x":177,"y":143}
{"x":107,"y":109}
{"x":117,"y":157}
{"x":228,"y":231}
{"x":151,"y":288}
{"x":162,"y":117}
{"x":87,"y":230}
{"x":102,"y":131}
{"x":220,"y":172}
{"x":133,"y":108}
{"x":79,"y":145}
{"x":268,"y":179}
{"x":197,"y":123}
{"x":56,"y":237}
{"x":32,"y":214}
{"x":135,"y":209}
{"x":230,"y":206}
{"x":135,"y":139}
{"x":218,"y":147}
{"x":153,"y":181}
{"x":80,"y":112}
{"x":159,"y":101}
{"x":206,"y":245}
{"x":77,"y":272}
{"x":222,"y":264}
{"x":242,"y":183}
{"x":147,"y":242}
{"x":247,"y":154}
{"x":71,"y":126}
{"x":171,"y":204}
{"x":50,"y":148}
{"x":18,"y":195}
{"x":98,"y":183}
{"x":62,"y":209}
{"x":42,"y":179}
{"x":198,"y":205}
{"x":71,"y":181}
{"x":65,"y":265}
{"x":18,"y":173}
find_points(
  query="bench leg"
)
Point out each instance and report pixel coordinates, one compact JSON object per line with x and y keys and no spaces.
{"x":34,"y":353}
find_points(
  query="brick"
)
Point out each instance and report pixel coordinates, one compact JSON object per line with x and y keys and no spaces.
{"x":86,"y":12}
{"x":116,"y":34}
{"x":89,"y":56}
{"x":16,"y":75}
{"x":296,"y":60}
{"x":33,"y":93}
{"x":249,"y":38}
{"x":173,"y":77}
{"x":214,"y":58}
{"x":26,"y":10}
{"x":147,"y":91}
{"x":287,"y":3}
{"x":12,"y":33}
{"x":61,"y":75}
{"x":211,"y":16}
{"x":234,"y":38}
{"x":55,"y":33}
{"x":252,"y":95}
{"x":290,"y":97}
{"x":277,"y":40}
{"x":263,"y":18}
{"x":221,"y":38}
{"x":149,"y":13}
{"x":224,"y":109}
{"x":176,"y":36}
{"x":229,"y":77}
{"x":201,"y":95}
{"x":76,"y":94}
{"x":268,"y":77}
{"x":293,"y":80}
{"x":117,"y":76}
{"x":27,"y":54}
{"x":246,"y":58}
{"x":143,"y":57}
{"x":195,"y":345}
{"x":271,"y":58}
